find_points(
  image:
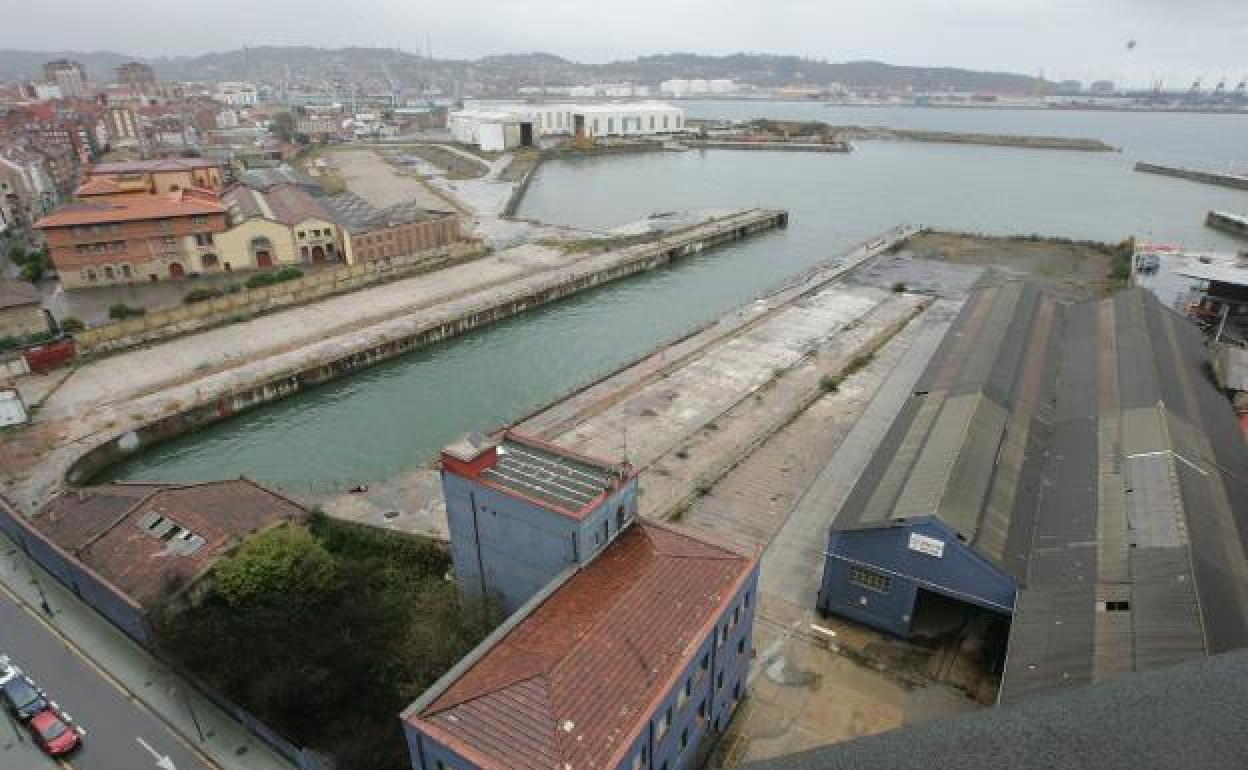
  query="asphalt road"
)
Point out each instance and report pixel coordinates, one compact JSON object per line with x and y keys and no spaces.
{"x":119,"y":731}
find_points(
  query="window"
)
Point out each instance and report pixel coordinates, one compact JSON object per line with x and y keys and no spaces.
{"x":316,"y":233}
{"x":741,"y":646}
{"x":595,"y":125}
{"x":610,"y":125}
{"x":651,"y":122}
{"x":108,"y":272}
{"x":1119,"y":606}
{"x":684,"y":739}
{"x":639,"y":759}
{"x":441,"y":765}
{"x":198,"y":220}
{"x":665,"y":121}
{"x":705,"y":665}
{"x":736,"y":615}
{"x":620,"y":517}
{"x":723,"y":638}
{"x":685,"y":692}
{"x":203,"y":239}
{"x":719,"y":681}
{"x":125,"y":271}
{"x":329,"y":248}
{"x":702,"y":709}
{"x":665,"y":723}
{"x":736,"y":691}
{"x":91,"y":276}
{"x":208,"y":261}
{"x":302,"y":234}
{"x":747,"y":600}
{"x":867,"y":578}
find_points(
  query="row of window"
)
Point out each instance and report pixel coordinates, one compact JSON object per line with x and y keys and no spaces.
{"x":870,"y":579}
{"x":327,"y":232}
{"x":110,"y":272}
{"x":84,"y":230}
{"x":636,"y":124}
{"x":105,"y":247}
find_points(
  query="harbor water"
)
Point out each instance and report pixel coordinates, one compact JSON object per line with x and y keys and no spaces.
{"x":392,"y":417}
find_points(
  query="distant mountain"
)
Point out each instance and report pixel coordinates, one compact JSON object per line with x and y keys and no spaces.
{"x":502,"y":72}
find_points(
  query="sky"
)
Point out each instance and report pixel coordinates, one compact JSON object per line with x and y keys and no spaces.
{"x":1176,"y":40}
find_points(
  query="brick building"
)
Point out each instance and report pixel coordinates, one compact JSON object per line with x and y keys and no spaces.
{"x":138,"y":238}
{"x":404,"y":228}
{"x":632,"y":654}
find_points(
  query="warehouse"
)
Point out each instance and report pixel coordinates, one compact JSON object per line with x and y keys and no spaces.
{"x":1065,"y":466}
{"x":499,"y":127}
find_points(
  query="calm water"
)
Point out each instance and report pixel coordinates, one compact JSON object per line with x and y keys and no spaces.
{"x":397,"y":415}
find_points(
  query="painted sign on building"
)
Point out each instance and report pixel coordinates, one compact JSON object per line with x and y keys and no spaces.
{"x":928,"y":545}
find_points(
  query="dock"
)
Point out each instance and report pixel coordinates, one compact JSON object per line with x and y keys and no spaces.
{"x":1235,"y":224}
{"x":729,"y":144}
{"x":1235,"y":181}
{"x":217,"y":397}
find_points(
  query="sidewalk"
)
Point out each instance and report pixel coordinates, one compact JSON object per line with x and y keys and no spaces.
{"x":225,"y":742}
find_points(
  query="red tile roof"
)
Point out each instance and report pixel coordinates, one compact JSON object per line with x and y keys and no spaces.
{"x":102,"y":186}
{"x":183,"y":203}
{"x":573,"y":684}
{"x":104,"y":528}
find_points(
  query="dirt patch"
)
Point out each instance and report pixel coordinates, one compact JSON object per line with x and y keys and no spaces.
{"x":1083,"y":269}
{"x":456,"y":165}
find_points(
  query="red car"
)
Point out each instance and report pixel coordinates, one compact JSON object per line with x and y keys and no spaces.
{"x":53,"y":734}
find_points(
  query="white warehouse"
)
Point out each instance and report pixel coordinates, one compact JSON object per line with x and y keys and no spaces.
{"x":504,"y":126}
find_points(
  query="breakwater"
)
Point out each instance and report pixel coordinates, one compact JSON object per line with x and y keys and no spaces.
{"x":1195,"y":175}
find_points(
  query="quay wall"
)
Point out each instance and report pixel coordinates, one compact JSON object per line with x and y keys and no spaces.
{"x":1234,"y":225}
{"x":247,"y":303}
{"x":716,"y":144}
{"x":632,"y":261}
{"x":1195,"y":175}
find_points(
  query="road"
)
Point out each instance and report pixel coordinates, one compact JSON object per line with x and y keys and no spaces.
{"x":121,"y":734}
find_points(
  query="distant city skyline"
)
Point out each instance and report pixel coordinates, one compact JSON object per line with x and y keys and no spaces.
{"x":1132,"y":42}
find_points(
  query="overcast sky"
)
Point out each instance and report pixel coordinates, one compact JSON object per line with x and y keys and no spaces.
{"x":1084,"y":39}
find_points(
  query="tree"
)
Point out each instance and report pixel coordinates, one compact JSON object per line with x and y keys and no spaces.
{"x":281,"y":565}
{"x":283,"y":126}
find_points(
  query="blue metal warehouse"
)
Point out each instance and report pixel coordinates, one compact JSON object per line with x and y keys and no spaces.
{"x":1070,"y":466}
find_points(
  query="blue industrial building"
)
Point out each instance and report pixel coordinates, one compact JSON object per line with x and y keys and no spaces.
{"x":1067,"y":466}
{"x":521,"y":511}
{"x":632,"y":655}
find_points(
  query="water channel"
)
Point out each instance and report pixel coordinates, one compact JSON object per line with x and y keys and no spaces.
{"x":397,"y":415}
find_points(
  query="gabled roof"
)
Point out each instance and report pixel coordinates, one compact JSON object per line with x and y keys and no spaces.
{"x":1083,"y":450}
{"x":286,"y":203}
{"x":101,"y":186}
{"x":572,"y":684}
{"x":183,"y":203}
{"x":145,"y":538}
{"x":359,"y":216}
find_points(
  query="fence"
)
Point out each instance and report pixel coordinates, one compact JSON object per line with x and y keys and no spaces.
{"x":172,"y":322}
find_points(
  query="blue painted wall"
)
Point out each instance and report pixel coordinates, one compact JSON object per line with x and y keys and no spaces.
{"x":959,"y":572}
{"x":696,"y":719}
{"x":512,"y":548}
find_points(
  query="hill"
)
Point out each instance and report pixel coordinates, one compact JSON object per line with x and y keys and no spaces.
{"x":310,"y":64}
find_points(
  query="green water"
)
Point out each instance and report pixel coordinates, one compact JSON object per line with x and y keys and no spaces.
{"x":394,"y":416}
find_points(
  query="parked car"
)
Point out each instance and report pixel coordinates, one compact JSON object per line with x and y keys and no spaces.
{"x":22,"y":697}
{"x":54,"y":734}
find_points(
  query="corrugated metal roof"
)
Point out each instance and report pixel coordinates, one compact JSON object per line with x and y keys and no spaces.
{"x":1082,"y":449}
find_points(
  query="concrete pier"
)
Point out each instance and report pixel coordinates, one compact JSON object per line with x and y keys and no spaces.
{"x":1195,"y":175}
{"x":727,"y":144}
{"x":1235,"y":224}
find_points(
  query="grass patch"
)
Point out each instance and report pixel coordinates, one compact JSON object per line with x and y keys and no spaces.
{"x":326,"y":632}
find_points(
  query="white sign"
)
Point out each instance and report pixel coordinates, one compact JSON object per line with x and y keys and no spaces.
{"x":12,"y":410}
{"x":928,"y":545}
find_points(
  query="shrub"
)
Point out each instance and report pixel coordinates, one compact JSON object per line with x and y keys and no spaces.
{"x":17,"y":253}
{"x":275,"y":566}
{"x":830,"y":383}
{"x":899,"y":288}
{"x":121,"y":311}
{"x":202,"y":294}
{"x":268,"y":279}
{"x":70,"y":324}
{"x":32,"y":271}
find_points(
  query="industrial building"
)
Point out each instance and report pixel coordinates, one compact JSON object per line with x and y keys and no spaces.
{"x":1069,"y":467}
{"x":501,"y":127}
{"x":630,"y":645}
